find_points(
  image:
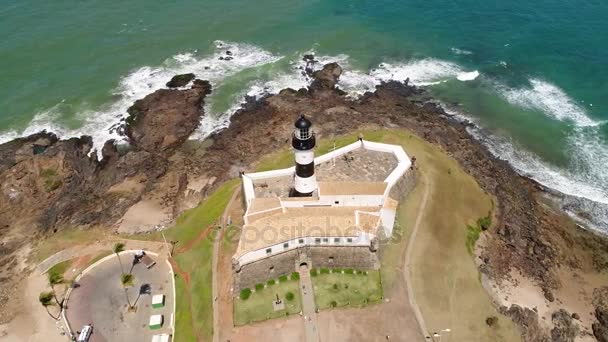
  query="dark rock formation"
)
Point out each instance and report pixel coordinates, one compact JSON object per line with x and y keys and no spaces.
{"x":326,"y":78}
{"x":565,"y":329}
{"x":600,"y":300}
{"x":164,"y":119}
{"x":180,"y":80}
{"x":528,"y":321}
{"x":55,"y":184}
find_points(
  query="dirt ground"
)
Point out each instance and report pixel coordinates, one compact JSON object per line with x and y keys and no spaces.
{"x":32,"y":322}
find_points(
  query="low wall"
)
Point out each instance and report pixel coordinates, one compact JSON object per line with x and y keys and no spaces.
{"x":319,"y":256}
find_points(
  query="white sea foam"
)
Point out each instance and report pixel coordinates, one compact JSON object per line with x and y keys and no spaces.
{"x":145,"y":80}
{"x":549,"y":99}
{"x":468,"y":76}
{"x":583,"y":179}
{"x":422,"y":72}
{"x":461,"y":51}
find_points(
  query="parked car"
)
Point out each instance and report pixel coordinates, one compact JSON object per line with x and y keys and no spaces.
{"x":85,"y":333}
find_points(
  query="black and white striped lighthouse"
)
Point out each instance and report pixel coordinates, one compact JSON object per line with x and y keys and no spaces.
{"x":303,"y":142}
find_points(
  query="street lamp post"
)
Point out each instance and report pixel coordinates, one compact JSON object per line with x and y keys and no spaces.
{"x":440,"y":333}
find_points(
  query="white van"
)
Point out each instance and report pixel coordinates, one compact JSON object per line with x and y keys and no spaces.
{"x":85,"y":333}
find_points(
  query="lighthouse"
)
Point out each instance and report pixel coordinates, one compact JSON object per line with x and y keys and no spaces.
{"x":303,"y":142}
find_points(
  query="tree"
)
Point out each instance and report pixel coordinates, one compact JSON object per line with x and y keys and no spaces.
{"x":127,"y":280}
{"x":55,"y":279}
{"x":46,"y":299}
{"x":117,"y":248}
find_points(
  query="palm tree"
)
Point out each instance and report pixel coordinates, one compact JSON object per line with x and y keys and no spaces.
{"x":117,"y":248}
{"x":46,"y":299}
{"x":127,"y":280}
{"x":55,"y":279}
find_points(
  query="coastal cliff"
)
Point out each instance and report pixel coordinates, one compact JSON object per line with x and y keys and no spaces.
{"x":56,"y":184}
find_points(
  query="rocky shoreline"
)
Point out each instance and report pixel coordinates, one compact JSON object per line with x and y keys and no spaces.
{"x":57,"y":184}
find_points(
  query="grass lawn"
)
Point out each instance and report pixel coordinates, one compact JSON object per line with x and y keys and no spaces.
{"x":258,"y":307}
{"x":194,"y":302}
{"x":194,"y":313}
{"x":444,"y":277}
{"x":61,"y":267}
{"x":342,"y":289}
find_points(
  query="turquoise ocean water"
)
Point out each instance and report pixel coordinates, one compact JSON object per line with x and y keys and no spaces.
{"x":531,"y":74}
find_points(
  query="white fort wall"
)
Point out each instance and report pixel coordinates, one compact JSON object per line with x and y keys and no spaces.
{"x":403,"y":165}
{"x":363,"y":239}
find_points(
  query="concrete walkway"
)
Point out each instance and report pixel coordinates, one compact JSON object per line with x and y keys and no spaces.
{"x":308,"y":306}
{"x":101,"y":246}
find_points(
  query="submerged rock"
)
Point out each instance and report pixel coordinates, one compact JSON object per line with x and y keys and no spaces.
{"x":182,"y":80}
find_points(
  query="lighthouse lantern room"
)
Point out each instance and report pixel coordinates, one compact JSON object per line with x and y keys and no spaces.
{"x":303,"y":142}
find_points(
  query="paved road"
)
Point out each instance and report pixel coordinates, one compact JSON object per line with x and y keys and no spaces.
{"x":308,"y":306}
{"x":100,"y":300}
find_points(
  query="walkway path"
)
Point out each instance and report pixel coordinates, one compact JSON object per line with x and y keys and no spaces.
{"x":216,"y":249}
{"x":308,"y":306}
{"x":408,"y":256}
{"x":100,"y":246}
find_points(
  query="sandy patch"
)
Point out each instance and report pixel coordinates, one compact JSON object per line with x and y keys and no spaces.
{"x":576,"y":297}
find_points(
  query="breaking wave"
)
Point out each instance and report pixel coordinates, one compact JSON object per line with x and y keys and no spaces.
{"x":100,"y":122}
{"x":583,"y":179}
{"x":549,"y":99}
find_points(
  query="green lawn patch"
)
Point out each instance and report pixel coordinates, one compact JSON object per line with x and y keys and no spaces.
{"x":473,"y":232}
{"x":258,"y":307}
{"x":194,"y":314}
{"x":347,"y":289}
{"x":51,"y":179}
{"x":61,"y":267}
{"x":472,"y":236}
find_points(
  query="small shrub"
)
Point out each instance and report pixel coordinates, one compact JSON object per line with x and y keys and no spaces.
{"x":259,"y":287}
{"x":471,"y":238}
{"x":325,"y":271}
{"x":51,"y":179}
{"x":313,"y":272}
{"x":289,"y":296}
{"x":271,"y":282}
{"x":245,"y":293}
{"x":283,"y":278}
{"x":349,"y":271}
{"x":336,"y":270}
{"x":295,"y":276}
{"x":484,"y":222}
{"x":335,"y":286}
{"x":333,"y":304}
